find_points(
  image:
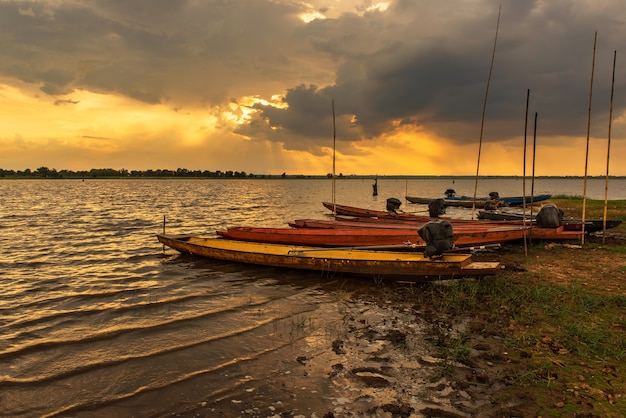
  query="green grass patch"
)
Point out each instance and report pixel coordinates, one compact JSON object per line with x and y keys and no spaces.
{"x":572,"y":206}
{"x":577,"y":337}
{"x":586,"y":324}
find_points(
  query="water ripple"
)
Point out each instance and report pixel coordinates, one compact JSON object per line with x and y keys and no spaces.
{"x":97,"y":319}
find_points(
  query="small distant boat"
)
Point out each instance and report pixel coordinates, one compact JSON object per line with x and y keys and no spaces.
{"x":412,"y":266}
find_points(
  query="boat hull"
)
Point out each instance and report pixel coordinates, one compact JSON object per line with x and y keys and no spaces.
{"x":562,"y":233}
{"x":569,"y":224}
{"x":371,"y":213}
{"x":364,"y":223}
{"x":329,"y":237}
{"x":461,"y":203}
{"x":519,"y":200}
{"x":469,"y":202}
{"x":379,"y":264}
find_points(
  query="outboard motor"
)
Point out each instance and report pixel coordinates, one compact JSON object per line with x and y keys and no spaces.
{"x":450,"y":193}
{"x":393,"y":204}
{"x":549,"y":216}
{"x":492,"y":204}
{"x":494,"y":201}
{"x":438,"y":236}
{"x":436,"y":207}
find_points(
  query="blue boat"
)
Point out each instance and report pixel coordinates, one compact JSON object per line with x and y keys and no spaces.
{"x":451,"y":199}
{"x":519,"y":200}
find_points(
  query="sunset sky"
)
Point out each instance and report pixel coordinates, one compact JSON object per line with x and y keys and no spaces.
{"x":248,"y":85}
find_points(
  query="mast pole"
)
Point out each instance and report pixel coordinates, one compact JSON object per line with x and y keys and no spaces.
{"x":532,"y":179}
{"x":593,"y":64}
{"x":334,"y":147}
{"x":482,"y":122}
{"x":524,"y":175}
{"x":608,"y":153}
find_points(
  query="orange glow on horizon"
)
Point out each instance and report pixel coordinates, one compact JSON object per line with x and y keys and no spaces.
{"x":85,"y":130}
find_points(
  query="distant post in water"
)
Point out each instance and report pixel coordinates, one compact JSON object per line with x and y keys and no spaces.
{"x":375,"y":187}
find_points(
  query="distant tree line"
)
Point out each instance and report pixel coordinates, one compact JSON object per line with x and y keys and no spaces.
{"x":51,"y":173}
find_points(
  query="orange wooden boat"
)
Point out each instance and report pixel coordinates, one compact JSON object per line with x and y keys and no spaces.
{"x":357,"y":223}
{"x":328,"y":237}
{"x":548,"y":233}
{"x":554,"y":234}
{"x":363,"y":216}
{"x":410,"y":266}
{"x":371,"y":213}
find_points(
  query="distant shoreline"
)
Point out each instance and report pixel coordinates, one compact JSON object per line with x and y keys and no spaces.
{"x":297,"y":177}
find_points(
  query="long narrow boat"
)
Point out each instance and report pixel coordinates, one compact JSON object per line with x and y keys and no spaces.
{"x":374,"y":215}
{"x":359,"y":223}
{"x":565,"y":232}
{"x":554,"y":234}
{"x":387,"y":221}
{"x":461,"y":203}
{"x":568,"y":224}
{"x":572,"y":224}
{"x":371,"y":213}
{"x":392,"y":220}
{"x":378,"y":264}
{"x":519,"y":200}
{"x":480,"y":202}
{"x":328,"y":237}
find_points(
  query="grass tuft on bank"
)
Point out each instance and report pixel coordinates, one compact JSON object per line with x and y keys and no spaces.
{"x":554,"y":323}
{"x":594,"y":209}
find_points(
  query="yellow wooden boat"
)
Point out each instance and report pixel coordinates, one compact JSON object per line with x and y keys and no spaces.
{"x":405,"y":265}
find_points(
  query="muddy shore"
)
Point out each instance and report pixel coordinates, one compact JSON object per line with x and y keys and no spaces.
{"x":385,"y":357}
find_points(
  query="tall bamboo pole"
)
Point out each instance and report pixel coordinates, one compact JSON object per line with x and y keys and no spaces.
{"x":608,"y":153}
{"x":532,"y":182}
{"x":482,"y":122}
{"x":593,"y":64}
{"x":334,"y":146}
{"x":524,"y":174}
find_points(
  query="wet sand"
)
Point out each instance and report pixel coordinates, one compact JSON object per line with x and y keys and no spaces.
{"x":378,"y":361}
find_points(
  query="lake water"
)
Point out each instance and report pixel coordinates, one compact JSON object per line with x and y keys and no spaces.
{"x":98,"y":320}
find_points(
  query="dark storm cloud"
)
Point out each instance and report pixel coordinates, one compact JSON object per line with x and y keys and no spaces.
{"x":421,"y":63}
{"x":305,"y":103}
{"x":402,"y":66}
{"x":155,"y":51}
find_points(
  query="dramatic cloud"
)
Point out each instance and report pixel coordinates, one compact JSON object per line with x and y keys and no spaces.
{"x":263,"y":74}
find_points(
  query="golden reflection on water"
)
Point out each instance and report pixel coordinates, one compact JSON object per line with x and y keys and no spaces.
{"x":95,"y":318}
